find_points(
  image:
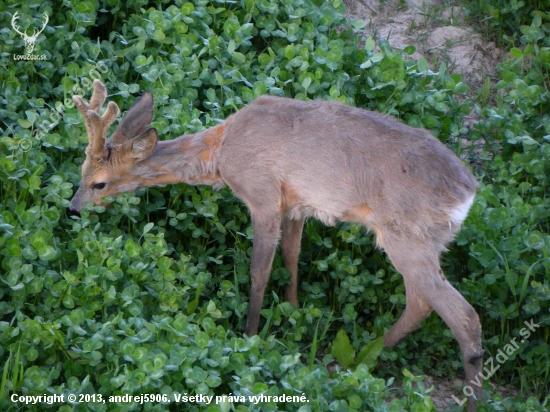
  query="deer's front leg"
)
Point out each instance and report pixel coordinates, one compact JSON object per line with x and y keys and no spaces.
{"x":266,"y":235}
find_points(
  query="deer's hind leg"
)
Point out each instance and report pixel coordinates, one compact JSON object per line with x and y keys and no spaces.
{"x":431,"y":290}
{"x":416,"y":310}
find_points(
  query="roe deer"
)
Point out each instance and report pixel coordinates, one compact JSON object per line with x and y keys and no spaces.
{"x":288,"y":160}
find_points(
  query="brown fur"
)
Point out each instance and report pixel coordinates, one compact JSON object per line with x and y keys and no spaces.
{"x":358,"y":214}
{"x":214,"y":137}
{"x":289,"y":160}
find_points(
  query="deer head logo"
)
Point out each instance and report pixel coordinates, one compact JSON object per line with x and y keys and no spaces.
{"x":29,"y":40}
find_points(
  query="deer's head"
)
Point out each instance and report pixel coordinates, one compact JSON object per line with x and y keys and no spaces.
{"x":107,"y":170}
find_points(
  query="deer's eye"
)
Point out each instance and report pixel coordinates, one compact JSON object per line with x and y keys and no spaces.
{"x":99,"y":186}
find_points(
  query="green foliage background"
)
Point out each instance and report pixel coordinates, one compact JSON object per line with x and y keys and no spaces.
{"x":151,"y":295}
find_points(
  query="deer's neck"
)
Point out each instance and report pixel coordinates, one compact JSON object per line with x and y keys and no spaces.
{"x":191,"y":159}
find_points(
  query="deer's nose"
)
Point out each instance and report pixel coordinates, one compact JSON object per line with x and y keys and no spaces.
{"x":72,"y":212}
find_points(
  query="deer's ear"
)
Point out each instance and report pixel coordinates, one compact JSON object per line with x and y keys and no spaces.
{"x":144,"y":145}
{"x":136,"y":121}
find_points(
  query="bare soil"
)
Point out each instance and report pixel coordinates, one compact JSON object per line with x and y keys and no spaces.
{"x":439,"y":30}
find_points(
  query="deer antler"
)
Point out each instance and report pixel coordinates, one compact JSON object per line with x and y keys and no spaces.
{"x":14,"y":25}
{"x":46,"y":19}
{"x":97,"y":125}
{"x":35,"y":34}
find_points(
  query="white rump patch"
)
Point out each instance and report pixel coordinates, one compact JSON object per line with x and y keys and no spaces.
{"x":459,"y":212}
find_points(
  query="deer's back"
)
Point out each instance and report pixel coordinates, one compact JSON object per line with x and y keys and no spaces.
{"x":325,"y":159}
